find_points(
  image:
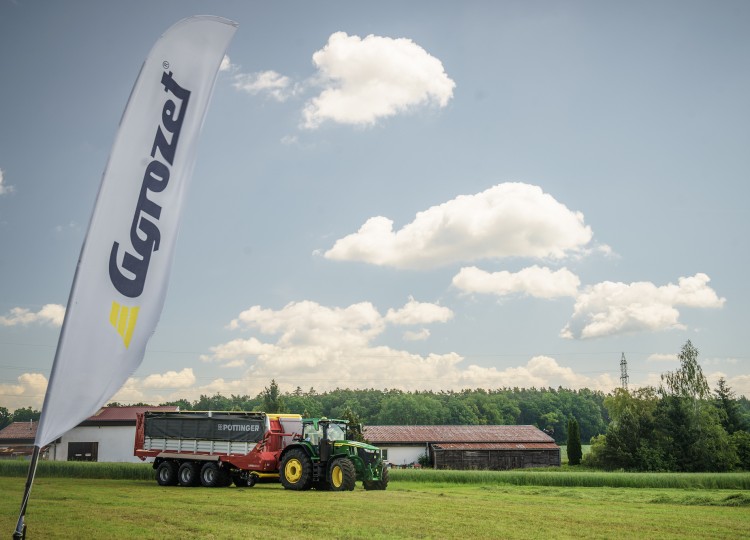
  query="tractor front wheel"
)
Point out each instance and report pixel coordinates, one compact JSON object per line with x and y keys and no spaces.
{"x":378,"y":484}
{"x":296,"y":470}
{"x":342,"y":475}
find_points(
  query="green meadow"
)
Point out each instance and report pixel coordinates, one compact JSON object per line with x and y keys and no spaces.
{"x":417,"y":504}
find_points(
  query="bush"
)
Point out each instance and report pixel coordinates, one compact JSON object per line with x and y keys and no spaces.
{"x":740,"y":441}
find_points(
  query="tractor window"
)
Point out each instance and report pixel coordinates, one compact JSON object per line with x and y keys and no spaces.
{"x":336,"y":432}
{"x":311,"y":434}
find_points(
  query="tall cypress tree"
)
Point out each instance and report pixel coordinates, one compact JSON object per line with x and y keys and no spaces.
{"x":575,"y":452}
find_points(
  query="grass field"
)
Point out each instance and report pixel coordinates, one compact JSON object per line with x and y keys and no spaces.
{"x":416,"y":505}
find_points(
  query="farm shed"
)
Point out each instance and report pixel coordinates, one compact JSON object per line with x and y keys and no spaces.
{"x":466,"y":447}
{"x":108,"y":435}
{"x":17,"y":440}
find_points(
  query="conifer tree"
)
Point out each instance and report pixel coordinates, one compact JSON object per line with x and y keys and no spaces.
{"x":575,"y":453}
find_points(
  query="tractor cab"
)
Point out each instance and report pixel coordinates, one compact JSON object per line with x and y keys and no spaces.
{"x":315,"y":430}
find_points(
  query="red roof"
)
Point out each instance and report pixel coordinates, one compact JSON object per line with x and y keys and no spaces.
{"x":125,"y":414}
{"x":455,"y":434}
{"x":19,"y":431}
{"x":495,"y":446}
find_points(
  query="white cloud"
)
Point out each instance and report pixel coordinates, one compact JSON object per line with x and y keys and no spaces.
{"x":532,"y":281}
{"x":170,"y":379}
{"x":277,"y":86}
{"x":507,"y":220}
{"x":419,"y":335}
{"x":51,"y":314}
{"x":4,"y":188}
{"x":373,"y":78}
{"x":609,"y":308}
{"x":660,"y":357}
{"x":310,"y":324}
{"x":158,"y":388}
{"x":418,"y":313}
{"x":226,"y":64}
{"x":28,"y":392}
{"x":326,"y":347}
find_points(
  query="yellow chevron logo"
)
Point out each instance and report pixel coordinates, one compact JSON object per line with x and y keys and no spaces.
{"x":123,"y":318}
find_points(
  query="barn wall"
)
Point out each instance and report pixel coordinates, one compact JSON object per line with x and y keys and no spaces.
{"x":115,"y":443}
{"x":495,"y":459}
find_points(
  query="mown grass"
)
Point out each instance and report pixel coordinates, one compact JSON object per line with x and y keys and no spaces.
{"x":123,"y":509}
{"x":571,"y":477}
{"x":553,"y":477}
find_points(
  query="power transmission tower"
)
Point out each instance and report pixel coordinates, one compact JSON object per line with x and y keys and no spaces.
{"x":623,"y":372}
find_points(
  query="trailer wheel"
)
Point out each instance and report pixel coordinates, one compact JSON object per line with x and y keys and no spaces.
{"x":166,"y":473}
{"x":296,"y":470}
{"x":212,"y":475}
{"x":342,"y":475}
{"x":378,"y":484}
{"x":188,"y":474}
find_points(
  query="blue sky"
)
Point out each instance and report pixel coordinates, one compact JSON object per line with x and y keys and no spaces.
{"x":421,"y":195}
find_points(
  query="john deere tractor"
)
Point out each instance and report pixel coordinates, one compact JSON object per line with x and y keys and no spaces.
{"x":322,"y":458}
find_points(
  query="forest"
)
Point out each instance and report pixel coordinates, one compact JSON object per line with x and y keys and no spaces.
{"x":680,"y":426}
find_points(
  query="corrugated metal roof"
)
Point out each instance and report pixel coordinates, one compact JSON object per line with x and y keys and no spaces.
{"x":124,"y":414}
{"x":455,"y":434}
{"x":19,"y":431}
{"x":495,"y":446}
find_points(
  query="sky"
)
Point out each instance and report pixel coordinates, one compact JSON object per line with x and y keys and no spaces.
{"x":400,"y":195}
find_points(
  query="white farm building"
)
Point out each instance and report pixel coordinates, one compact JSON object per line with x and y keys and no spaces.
{"x":108,"y":436}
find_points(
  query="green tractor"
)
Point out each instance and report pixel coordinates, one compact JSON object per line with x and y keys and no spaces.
{"x":322,"y":458}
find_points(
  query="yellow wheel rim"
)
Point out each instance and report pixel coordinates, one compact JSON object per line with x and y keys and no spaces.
{"x":293,"y":470}
{"x":337,"y":476}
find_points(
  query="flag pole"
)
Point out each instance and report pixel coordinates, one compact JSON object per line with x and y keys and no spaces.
{"x":20,"y":532}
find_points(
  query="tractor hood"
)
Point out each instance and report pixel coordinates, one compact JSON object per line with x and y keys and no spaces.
{"x":357,"y":444}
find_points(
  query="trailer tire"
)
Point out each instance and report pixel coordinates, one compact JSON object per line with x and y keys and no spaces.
{"x":381,"y":484}
{"x":342,"y":476}
{"x":188,"y":474}
{"x":212,"y":475}
{"x":296,"y":470}
{"x":166,"y":473}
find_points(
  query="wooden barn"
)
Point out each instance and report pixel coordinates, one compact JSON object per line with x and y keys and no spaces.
{"x":466,"y":447}
{"x":17,"y":440}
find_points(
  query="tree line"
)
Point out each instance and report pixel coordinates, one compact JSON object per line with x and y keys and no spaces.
{"x":547,"y":408}
{"x":680,"y":426}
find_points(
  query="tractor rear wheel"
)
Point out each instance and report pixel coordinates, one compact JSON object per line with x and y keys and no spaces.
{"x":378,"y":484}
{"x":188,"y":474}
{"x":342,"y":475}
{"x":166,"y":473}
{"x":296,"y":470}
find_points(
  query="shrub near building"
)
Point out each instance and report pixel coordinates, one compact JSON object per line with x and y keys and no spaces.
{"x":675,"y":428}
